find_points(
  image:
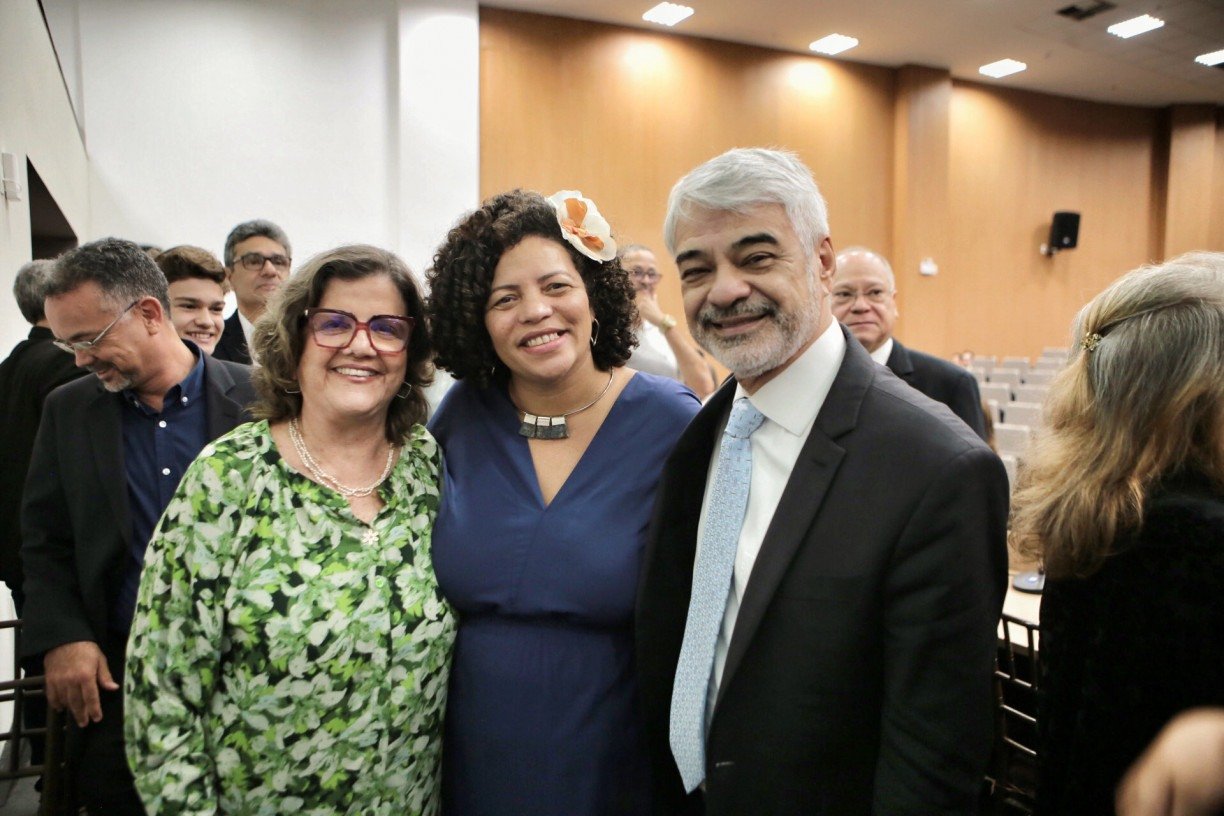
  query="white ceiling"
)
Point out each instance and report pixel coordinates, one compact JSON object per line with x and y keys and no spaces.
{"x":1065,"y":57}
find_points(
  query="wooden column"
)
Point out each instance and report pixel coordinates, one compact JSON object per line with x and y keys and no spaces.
{"x":1189,"y":199}
{"x":921,"y":203}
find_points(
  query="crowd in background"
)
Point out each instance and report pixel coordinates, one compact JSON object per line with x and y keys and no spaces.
{"x":262,"y":576}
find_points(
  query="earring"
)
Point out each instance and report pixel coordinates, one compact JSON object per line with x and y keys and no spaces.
{"x":404,"y":392}
{"x":291,"y":391}
{"x":594,"y":332}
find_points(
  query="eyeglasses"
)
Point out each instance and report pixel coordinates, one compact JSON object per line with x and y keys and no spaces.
{"x":84,"y":346}
{"x":845,"y":297}
{"x":254,"y":261}
{"x":334,"y":329}
{"x":645,"y":274}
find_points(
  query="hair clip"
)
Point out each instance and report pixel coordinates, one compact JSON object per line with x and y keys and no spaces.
{"x":583,"y":226}
{"x":1090,"y":341}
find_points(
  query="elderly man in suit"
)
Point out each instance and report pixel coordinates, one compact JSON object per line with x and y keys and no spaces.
{"x":816,"y":619}
{"x":257,"y":260}
{"x":109,"y":455}
{"x":865,"y":300}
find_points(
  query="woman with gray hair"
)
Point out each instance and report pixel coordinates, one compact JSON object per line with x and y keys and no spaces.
{"x":1122,"y":499}
{"x":290,"y":649}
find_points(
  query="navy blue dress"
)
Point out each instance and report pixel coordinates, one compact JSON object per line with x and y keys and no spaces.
{"x":542,"y":716}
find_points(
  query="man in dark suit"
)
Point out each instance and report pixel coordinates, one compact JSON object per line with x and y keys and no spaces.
{"x":257,"y":260}
{"x":865,"y":300}
{"x":109,"y":454}
{"x":824,"y":643}
{"x":32,"y":371}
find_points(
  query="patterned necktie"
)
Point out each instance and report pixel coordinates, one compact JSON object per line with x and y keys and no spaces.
{"x":711,"y":584}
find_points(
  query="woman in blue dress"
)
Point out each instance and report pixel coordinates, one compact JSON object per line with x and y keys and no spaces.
{"x":552,"y":451}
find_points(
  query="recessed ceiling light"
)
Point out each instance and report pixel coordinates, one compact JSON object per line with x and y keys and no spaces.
{"x":1214,"y":58}
{"x":667,"y":14}
{"x":833,"y":44}
{"x":1002,"y":68}
{"x":1135,"y":25}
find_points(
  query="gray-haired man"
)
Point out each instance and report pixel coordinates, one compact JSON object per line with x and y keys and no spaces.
{"x":257,"y":259}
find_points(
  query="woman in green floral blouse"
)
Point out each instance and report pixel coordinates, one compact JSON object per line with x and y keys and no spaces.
{"x":290,"y":650}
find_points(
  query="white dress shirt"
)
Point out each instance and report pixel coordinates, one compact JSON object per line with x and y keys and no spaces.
{"x":880,"y":355}
{"x":652,"y":354}
{"x":790,"y":403}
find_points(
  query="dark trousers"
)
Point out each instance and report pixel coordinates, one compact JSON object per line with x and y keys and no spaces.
{"x":97,"y":764}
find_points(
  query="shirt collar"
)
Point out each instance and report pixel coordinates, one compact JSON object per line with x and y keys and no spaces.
{"x":186,"y":392}
{"x":881,"y":354}
{"x":810,"y":374}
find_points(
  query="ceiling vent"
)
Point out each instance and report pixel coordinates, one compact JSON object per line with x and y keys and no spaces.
{"x":1082,"y":11}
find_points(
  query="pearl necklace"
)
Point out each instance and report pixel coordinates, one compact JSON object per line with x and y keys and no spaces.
{"x":325,"y":478}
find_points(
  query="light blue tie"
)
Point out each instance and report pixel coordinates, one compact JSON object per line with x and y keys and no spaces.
{"x":711,"y":585}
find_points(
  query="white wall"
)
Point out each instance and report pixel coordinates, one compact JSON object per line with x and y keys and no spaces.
{"x":341,"y":121}
{"x":36,"y":121}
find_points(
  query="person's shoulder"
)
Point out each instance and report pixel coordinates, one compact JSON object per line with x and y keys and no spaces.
{"x":896,"y":414}
{"x":667,"y":401}
{"x":73,"y":393}
{"x":1184,"y":511}
{"x":245,"y":440}
{"x":937,"y":366}
{"x":456,"y":407}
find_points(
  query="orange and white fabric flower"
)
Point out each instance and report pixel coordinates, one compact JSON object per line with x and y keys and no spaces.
{"x":583,"y":226}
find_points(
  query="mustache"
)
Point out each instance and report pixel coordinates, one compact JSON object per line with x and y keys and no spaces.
{"x":760,"y":307}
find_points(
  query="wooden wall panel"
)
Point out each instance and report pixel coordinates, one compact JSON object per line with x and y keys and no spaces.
{"x":622,"y":114}
{"x":1192,"y":138}
{"x":1016,"y":158}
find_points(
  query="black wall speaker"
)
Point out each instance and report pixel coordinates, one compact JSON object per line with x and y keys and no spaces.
{"x":1064,"y":232}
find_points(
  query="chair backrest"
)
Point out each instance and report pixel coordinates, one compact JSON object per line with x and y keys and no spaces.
{"x":1030,"y":393}
{"x":979,"y":374}
{"x":1022,"y":413}
{"x":1048,"y":363}
{"x":1055,"y":351}
{"x":1011,"y":376}
{"x":987,"y":364}
{"x":999,"y":392}
{"x":1013,"y":439}
{"x":1039,"y":376}
{"x":1017,"y":684}
{"x":1019,"y":363}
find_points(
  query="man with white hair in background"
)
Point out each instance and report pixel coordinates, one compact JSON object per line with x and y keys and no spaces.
{"x":865,"y":300}
{"x":827,"y":562}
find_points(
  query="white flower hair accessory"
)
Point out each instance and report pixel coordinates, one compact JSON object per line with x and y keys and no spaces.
{"x":583,"y":226}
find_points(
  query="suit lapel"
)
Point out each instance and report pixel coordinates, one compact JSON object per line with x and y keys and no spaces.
{"x":802,"y":500}
{"x":105,"y":433}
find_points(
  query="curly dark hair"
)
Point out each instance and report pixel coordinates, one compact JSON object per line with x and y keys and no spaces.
{"x":462,"y":275}
{"x":281,"y":334}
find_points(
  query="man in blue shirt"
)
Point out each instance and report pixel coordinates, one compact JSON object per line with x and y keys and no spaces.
{"x":109,"y":454}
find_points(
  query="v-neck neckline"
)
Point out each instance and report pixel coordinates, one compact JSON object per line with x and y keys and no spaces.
{"x":521,"y":446}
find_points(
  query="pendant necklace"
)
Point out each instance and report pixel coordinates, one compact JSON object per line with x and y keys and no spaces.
{"x":325,"y":478}
{"x":537,"y":426}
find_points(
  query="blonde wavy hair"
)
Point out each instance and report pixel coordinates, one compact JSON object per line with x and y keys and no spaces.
{"x":1141,"y":398}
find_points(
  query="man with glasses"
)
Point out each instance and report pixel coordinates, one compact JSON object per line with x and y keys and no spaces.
{"x":865,"y":300}
{"x":661,"y":349}
{"x":109,"y":455}
{"x":257,"y":259}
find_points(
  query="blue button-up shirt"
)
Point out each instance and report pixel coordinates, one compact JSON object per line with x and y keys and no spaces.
{"x":157,"y":448}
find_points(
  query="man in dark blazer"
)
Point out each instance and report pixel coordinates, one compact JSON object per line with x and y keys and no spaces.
{"x":257,"y":261}
{"x":33,"y":370}
{"x":854,"y":625}
{"x":865,"y":300}
{"x":109,"y":454}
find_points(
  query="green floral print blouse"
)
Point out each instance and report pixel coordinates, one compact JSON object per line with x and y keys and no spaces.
{"x":286,"y":657}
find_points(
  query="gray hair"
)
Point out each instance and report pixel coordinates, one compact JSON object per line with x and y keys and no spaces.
{"x":622,"y":251}
{"x":254,"y":229}
{"x":121,"y":269}
{"x":747,"y":177}
{"x":30,"y":289}
{"x":875,"y":256}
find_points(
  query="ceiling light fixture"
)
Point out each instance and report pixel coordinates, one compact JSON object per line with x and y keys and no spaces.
{"x":833,"y":44}
{"x":1136,"y":25}
{"x":667,"y":14}
{"x":1002,"y":68}
{"x":1214,"y":58}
